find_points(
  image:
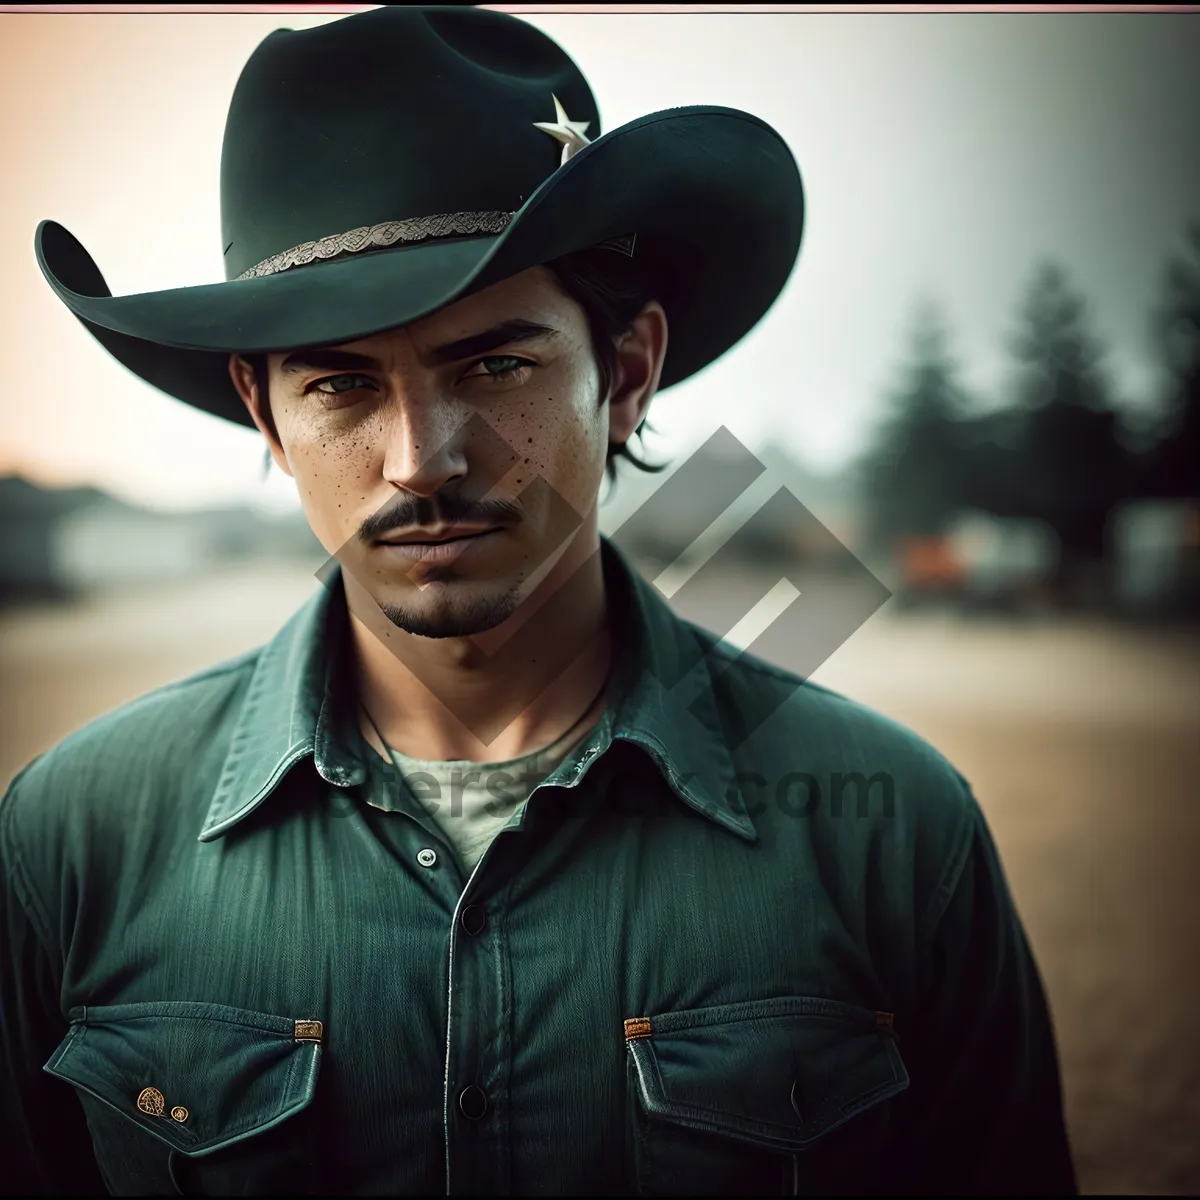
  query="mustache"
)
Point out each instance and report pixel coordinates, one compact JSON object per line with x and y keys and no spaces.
{"x":409,"y":511}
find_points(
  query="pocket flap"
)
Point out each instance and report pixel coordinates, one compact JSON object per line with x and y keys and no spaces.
{"x":198,"y":1076}
{"x":781,"y":1072}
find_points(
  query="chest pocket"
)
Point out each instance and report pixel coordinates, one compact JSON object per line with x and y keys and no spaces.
{"x":768,"y":1097}
{"x":192,"y":1098}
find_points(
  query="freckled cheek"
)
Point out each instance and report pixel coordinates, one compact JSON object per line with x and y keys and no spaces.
{"x":558,"y":434}
{"x":556,"y":454}
{"x":333,"y":475}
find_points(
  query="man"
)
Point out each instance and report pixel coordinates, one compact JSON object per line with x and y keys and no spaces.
{"x":466,"y":881}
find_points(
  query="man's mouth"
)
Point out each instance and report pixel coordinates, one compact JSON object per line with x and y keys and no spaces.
{"x":447,"y":533}
{"x":439,"y":545}
{"x":454,"y":537}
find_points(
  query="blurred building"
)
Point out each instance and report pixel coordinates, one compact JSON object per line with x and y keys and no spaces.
{"x":1156,"y":554}
{"x":1005,"y":562}
{"x":29,"y":518}
{"x":60,"y":542}
{"x":981,"y":561}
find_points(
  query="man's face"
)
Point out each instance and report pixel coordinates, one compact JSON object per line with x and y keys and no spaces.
{"x":482,"y":421}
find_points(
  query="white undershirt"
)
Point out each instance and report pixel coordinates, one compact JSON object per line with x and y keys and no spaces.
{"x":472,"y":801}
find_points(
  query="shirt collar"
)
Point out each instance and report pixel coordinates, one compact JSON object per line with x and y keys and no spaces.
{"x":664,"y":696}
{"x":300,"y":700}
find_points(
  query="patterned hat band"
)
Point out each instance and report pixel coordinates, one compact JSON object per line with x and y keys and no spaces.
{"x":398,"y":233}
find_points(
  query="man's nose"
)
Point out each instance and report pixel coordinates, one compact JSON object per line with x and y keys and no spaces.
{"x":425,"y":444}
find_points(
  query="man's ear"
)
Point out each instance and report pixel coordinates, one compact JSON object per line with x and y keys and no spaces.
{"x":640,"y":354}
{"x":258,"y":406}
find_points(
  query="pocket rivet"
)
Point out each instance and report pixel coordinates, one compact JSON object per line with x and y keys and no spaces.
{"x":150,"y":1100}
{"x":179,"y":1113}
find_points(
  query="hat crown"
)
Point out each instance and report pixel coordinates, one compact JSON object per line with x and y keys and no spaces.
{"x":387,"y":115}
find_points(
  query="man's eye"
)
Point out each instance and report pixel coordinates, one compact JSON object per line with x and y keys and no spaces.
{"x":500,"y":368}
{"x":340,"y":383}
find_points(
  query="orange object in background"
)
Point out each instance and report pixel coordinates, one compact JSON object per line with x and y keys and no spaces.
{"x":929,"y":562}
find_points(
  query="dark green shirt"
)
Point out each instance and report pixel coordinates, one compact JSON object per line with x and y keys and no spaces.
{"x":692,"y":963}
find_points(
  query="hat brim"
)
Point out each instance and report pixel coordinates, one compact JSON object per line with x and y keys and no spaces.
{"x":714,"y":195}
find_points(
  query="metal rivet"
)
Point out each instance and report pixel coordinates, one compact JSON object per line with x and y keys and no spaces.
{"x":179,"y":1113}
{"x":307,"y":1031}
{"x":150,"y":1100}
{"x":427,"y":857}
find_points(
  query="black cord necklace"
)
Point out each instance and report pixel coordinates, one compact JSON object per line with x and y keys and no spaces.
{"x":570,"y":729}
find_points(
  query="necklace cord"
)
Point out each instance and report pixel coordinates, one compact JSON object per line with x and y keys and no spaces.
{"x":570,"y":729}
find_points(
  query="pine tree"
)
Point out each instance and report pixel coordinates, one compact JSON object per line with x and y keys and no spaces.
{"x":1174,"y":464}
{"x":1060,"y":358}
{"x":1071,"y":467}
{"x":911,"y":475}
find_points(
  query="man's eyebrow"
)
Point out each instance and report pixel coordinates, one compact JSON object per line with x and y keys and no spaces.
{"x":505,"y":334}
{"x":327,"y":360}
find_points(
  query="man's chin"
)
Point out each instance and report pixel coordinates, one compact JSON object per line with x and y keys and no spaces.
{"x":444,"y":611}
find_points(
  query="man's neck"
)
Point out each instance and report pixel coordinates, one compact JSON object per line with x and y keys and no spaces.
{"x":492,"y":696}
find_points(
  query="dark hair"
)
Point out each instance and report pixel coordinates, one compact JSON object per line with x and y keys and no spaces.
{"x":611,"y":288}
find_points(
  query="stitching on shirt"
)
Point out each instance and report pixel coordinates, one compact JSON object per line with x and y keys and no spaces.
{"x":249,"y":1124}
{"x":678,"y":786}
{"x":773,"y":1008}
{"x":100,"y":1021}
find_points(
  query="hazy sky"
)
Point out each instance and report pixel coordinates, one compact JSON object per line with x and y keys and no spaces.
{"x":942,"y":154}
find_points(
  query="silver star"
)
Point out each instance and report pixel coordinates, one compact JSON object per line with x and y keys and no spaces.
{"x":570,"y":133}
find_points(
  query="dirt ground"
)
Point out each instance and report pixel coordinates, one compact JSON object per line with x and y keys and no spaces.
{"x":1080,"y":738}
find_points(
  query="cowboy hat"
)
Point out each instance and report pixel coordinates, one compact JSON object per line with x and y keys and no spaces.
{"x":380,"y":166}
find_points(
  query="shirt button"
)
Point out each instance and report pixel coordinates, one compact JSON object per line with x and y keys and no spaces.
{"x":427,"y":857}
{"x":472,"y":919}
{"x":472,"y":1102}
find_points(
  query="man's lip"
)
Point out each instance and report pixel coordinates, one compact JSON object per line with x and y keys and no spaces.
{"x":445,"y":534}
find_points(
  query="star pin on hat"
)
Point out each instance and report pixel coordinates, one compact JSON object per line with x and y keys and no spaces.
{"x":570,"y":133}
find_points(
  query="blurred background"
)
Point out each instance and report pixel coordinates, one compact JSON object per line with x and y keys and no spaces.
{"x":983,"y":378}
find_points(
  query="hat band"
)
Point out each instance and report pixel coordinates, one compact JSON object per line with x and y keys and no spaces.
{"x":374,"y":237}
{"x":391,"y":233}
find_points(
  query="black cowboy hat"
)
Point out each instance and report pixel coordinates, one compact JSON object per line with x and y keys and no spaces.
{"x":380,"y":166}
